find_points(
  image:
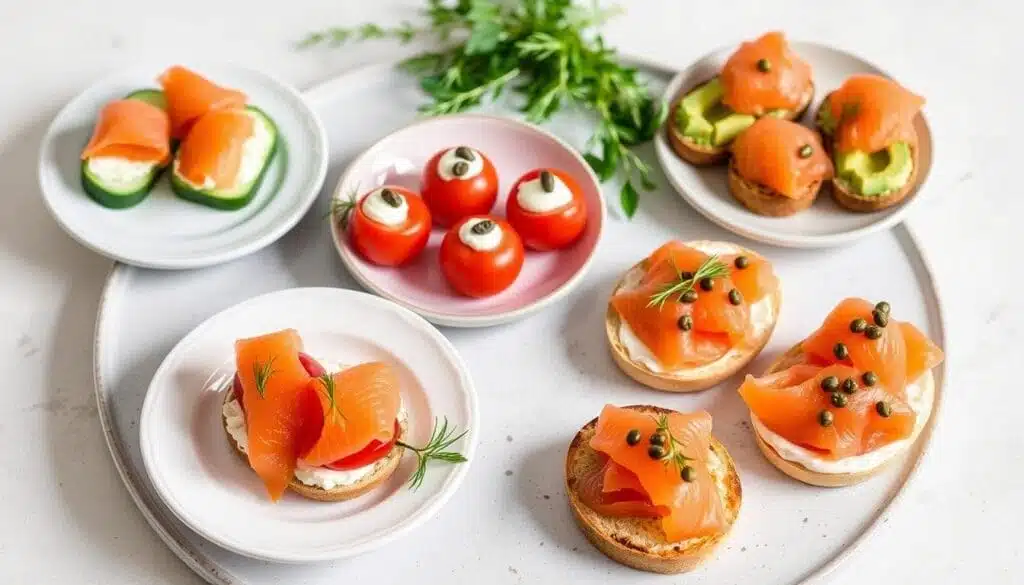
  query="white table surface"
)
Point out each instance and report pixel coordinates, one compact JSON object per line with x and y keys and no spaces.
{"x":64,"y":516}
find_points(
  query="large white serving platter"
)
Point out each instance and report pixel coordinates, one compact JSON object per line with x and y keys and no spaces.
{"x":538,"y":381}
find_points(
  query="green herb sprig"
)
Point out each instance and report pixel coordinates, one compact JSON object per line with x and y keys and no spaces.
{"x":262,"y":372}
{"x":673,"y":447}
{"x":328,"y":389}
{"x":441,"y":438}
{"x":547,"y":52}
{"x":711,"y":268}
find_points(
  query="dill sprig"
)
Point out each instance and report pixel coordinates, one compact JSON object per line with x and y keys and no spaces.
{"x":262,"y":372}
{"x":674,"y":447}
{"x":441,"y":438}
{"x":328,"y":389}
{"x":711,"y":268}
{"x":342,"y":207}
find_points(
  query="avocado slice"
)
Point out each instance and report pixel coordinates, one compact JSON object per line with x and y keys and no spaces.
{"x":703,"y":118}
{"x":876,"y":173}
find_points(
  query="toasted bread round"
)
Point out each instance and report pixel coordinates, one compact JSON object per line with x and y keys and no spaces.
{"x":764,"y":200}
{"x":640,"y":542}
{"x":706,"y":155}
{"x":799,"y":472}
{"x":382,"y":470}
{"x":868,"y":203}
{"x":695,"y":379}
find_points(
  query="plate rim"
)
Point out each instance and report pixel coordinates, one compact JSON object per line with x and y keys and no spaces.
{"x":279,"y":229}
{"x":422,"y":513}
{"x":664,"y":153}
{"x":486,"y":319}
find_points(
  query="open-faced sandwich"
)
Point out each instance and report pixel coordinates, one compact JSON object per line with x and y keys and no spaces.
{"x":868,"y":124}
{"x":652,"y":488}
{"x":692,"y":314}
{"x":839,"y":406}
{"x":762,"y":78}
{"x":325,"y":436}
{"x":778,"y":167}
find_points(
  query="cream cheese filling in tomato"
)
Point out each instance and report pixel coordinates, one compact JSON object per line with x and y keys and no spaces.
{"x":386,"y":206}
{"x":475,"y":234}
{"x":463,"y":155}
{"x":532,"y":197}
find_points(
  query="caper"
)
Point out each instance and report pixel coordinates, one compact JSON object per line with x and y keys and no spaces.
{"x":482,"y":227}
{"x":688,"y":473}
{"x":849,"y":385}
{"x":547,"y":181}
{"x":686,"y":275}
{"x":858,"y":325}
{"x":465,"y":153}
{"x":741,"y":262}
{"x":840,"y":351}
{"x":685,"y":322}
{"x":869,"y":378}
{"x":658,"y":438}
{"x":706,"y":284}
{"x":830,"y":383}
{"x":826,"y":418}
{"x":735,"y":297}
{"x":881,"y":319}
{"x":689,"y":296}
{"x":883,"y":307}
{"x":883,"y":408}
{"x":391,"y":198}
{"x":806,"y":151}
{"x":764,"y":65}
{"x":633,"y":437}
{"x":460,"y":168}
{"x":873,"y":332}
{"x":838,"y":399}
{"x":655,"y":452}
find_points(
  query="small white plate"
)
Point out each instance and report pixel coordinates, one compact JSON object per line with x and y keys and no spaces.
{"x":825,"y":223}
{"x":203,"y":481}
{"x":165,"y":231}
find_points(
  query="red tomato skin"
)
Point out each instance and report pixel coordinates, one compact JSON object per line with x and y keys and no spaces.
{"x":391,"y":245}
{"x":451,"y":201}
{"x":481,"y":274}
{"x":552,"y":230}
{"x":370,"y":454}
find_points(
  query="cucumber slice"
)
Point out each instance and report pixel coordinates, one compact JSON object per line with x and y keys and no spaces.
{"x":240,"y":195}
{"x":120,"y":195}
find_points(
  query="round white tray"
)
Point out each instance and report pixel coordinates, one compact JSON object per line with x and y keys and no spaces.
{"x":538,"y":381}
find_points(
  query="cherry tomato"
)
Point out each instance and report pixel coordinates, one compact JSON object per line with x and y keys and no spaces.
{"x":373,"y":452}
{"x":312,"y":367}
{"x":450,"y":201}
{"x":553,"y":229}
{"x":477,"y":273}
{"x":391,"y":245}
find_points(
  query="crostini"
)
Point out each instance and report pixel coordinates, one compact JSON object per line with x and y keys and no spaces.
{"x":845,"y":402}
{"x":692,"y":314}
{"x":868,"y":124}
{"x":778,"y":167}
{"x":763,"y":77}
{"x":652,"y":488}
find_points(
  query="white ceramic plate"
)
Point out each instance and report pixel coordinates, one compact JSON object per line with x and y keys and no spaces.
{"x":165,"y":231}
{"x":825,"y":223}
{"x":203,"y":481}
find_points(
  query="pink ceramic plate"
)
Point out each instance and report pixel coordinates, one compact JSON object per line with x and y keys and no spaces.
{"x":514,"y":147}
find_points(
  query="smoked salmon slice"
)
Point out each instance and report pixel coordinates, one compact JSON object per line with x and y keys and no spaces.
{"x":594,"y":490}
{"x":765,"y":75}
{"x":213,"y":149}
{"x":357,"y":406}
{"x":695,"y":507}
{"x":276,"y":400}
{"x":190,"y":96}
{"x":781,"y":155}
{"x":133,"y":130}
{"x":872,"y":112}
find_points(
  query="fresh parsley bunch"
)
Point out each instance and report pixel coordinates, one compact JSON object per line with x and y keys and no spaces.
{"x":545,"y":50}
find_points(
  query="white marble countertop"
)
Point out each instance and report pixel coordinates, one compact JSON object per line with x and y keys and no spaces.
{"x":67,"y":519}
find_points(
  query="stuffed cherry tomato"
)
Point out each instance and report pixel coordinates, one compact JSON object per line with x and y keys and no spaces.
{"x":547,"y":209}
{"x":457,"y":183}
{"x":481,"y":256}
{"x":390,"y":226}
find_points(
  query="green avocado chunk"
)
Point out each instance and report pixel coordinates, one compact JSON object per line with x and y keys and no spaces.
{"x":703,"y":118}
{"x":876,"y":173}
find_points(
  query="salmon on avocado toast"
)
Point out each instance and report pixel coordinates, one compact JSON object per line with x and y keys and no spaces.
{"x":692,"y":314}
{"x":652,"y":488}
{"x":325,"y":436}
{"x":763,"y":77}
{"x":848,"y":399}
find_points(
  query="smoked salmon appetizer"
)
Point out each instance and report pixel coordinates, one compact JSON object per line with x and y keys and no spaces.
{"x":652,"y":488}
{"x":849,"y":399}
{"x":778,"y":167}
{"x":190,"y":96}
{"x":868,"y":124}
{"x":129,"y":147}
{"x":692,"y":314}
{"x":327,"y":436}
{"x":764,"y":77}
